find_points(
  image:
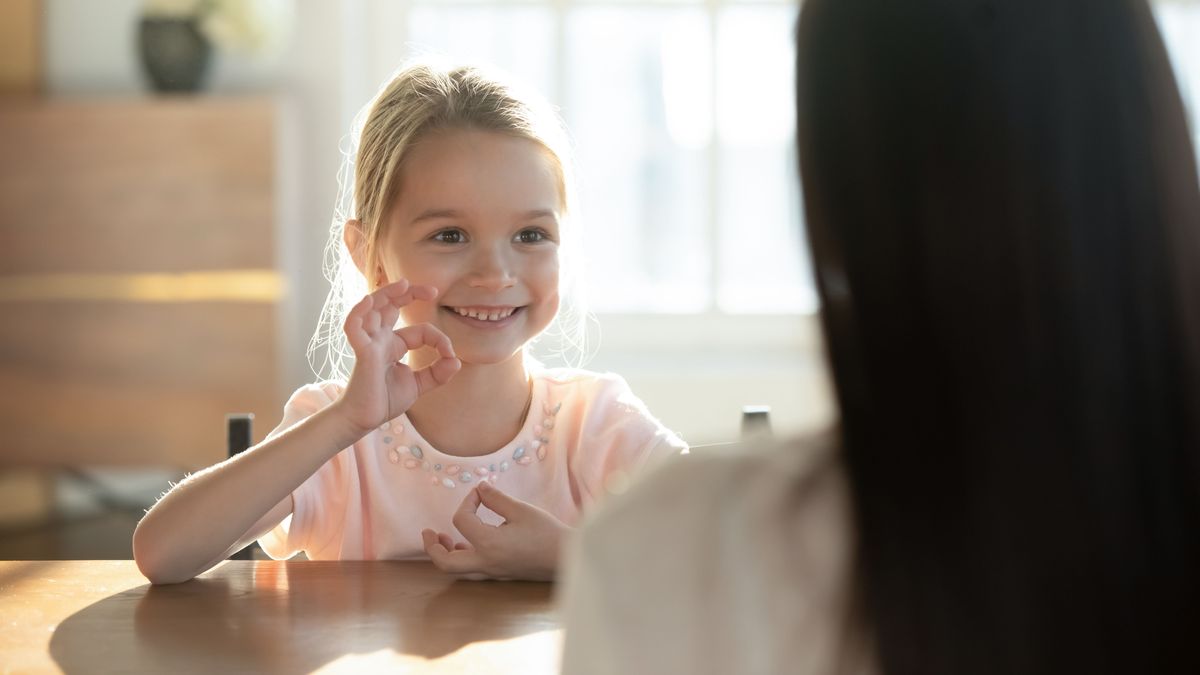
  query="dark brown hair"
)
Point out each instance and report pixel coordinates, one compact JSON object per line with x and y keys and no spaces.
{"x":1004,"y":214}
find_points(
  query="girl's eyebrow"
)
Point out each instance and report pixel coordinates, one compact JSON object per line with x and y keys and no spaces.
{"x":439,"y":214}
{"x":435,"y":214}
{"x":540,"y":213}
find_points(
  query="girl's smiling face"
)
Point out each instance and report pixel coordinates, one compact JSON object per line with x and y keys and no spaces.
{"x":477,"y":217}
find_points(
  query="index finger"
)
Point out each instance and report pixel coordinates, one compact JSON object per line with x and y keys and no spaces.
{"x":425,"y":335}
{"x":401,"y":292}
{"x":467,"y":521}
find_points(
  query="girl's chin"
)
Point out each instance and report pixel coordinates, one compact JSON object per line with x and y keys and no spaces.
{"x":483,"y":359}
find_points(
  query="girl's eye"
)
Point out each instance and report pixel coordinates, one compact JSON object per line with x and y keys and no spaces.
{"x":531,"y":236}
{"x":449,"y":237}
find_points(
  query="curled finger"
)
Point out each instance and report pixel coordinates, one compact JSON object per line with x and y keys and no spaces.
{"x":457,"y":561}
{"x":425,"y":335}
{"x":401,"y":293}
{"x":467,"y":521}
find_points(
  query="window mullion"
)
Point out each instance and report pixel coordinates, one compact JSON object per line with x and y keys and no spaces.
{"x":561,"y":7}
{"x":713,"y":224}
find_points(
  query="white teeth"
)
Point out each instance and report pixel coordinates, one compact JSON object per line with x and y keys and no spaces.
{"x":495,"y":315}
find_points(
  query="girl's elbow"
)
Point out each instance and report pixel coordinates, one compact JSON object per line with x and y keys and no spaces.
{"x":158,"y":573}
{"x":145,"y":559}
{"x":150,"y":561}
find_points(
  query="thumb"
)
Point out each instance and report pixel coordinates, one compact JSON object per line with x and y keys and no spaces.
{"x":504,"y":505}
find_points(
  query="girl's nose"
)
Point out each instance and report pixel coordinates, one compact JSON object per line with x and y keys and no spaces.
{"x":492,"y":269}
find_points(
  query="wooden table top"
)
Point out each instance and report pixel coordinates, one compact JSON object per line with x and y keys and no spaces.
{"x":96,"y":616}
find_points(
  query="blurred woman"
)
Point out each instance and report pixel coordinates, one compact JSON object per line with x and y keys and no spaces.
{"x":1004,"y":214}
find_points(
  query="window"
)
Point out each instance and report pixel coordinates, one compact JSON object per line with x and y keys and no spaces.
{"x":1179,"y":21}
{"x":682,"y":116}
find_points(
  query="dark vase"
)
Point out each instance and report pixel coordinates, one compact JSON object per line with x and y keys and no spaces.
{"x":175,"y":54}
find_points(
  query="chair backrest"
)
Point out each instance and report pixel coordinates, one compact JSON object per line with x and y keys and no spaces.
{"x":239,"y":428}
{"x":239,"y":434}
{"x":756,"y":426}
{"x":756,"y":422}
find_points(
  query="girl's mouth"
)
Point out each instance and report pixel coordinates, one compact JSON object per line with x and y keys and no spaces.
{"x":489,"y":317}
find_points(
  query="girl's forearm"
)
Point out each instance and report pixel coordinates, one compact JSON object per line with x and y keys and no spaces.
{"x":199,"y":520}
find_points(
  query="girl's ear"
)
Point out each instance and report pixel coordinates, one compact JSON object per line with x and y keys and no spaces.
{"x":356,"y":242}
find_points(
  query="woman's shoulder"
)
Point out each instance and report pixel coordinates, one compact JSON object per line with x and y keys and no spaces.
{"x":742,"y":546}
{"x":714,"y":483}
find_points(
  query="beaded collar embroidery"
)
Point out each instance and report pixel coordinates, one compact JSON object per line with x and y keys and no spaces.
{"x":461,"y":471}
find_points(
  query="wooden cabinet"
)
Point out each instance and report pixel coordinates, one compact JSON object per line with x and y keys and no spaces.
{"x":139,"y":297}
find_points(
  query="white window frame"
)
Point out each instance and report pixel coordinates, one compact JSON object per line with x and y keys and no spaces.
{"x":382,"y":20}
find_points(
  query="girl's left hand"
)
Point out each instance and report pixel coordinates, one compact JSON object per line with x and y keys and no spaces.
{"x":525,"y":546}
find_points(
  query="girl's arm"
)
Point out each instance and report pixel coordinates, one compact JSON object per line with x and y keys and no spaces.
{"x":215,"y":512}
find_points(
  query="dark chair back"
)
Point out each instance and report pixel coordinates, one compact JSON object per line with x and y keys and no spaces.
{"x":239,"y":429}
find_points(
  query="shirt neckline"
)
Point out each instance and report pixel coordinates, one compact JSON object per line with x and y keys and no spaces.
{"x":404,"y":447}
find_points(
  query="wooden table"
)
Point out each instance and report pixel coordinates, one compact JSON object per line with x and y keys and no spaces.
{"x":94,"y":616}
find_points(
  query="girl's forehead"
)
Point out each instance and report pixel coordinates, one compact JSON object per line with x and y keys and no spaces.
{"x":473,"y":170}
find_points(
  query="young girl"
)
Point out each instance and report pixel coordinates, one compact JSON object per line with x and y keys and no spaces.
{"x":446,"y":440}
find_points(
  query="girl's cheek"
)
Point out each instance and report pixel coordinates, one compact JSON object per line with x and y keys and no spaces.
{"x":414,"y":314}
{"x":550,"y":269}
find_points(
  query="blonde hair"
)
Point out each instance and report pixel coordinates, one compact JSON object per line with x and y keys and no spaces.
{"x":420,"y":99}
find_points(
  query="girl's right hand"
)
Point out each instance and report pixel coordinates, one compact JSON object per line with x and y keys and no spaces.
{"x":382,"y":388}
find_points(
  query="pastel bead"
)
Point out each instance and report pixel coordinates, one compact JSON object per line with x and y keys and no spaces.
{"x":482,"y":471}
{"x":557,"y":407}
{"x":393,"y":456}
{"x":536,"y":444}
{"x":437,"y":467}
{"x":504,"y":465}
{"x":525,"y":460}
{"x":453,"y":468}
{"x":447,"y":482}
{"x":425,"y":465}
{"x":492,"y":467}
{"x":541,"y":453}
{"x":387,"y":439}
{"x":519,"y":452}
{"x":384,"y":426}
{"x":433,"y":480}
{"x":417,"y":452}
{"x":466,"y":477}
{"x":411,"y":463}
{"x":549,"y":423}
{"x":537,"y":430}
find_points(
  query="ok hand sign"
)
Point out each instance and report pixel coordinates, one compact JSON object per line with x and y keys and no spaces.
{"x":381,"y":387}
